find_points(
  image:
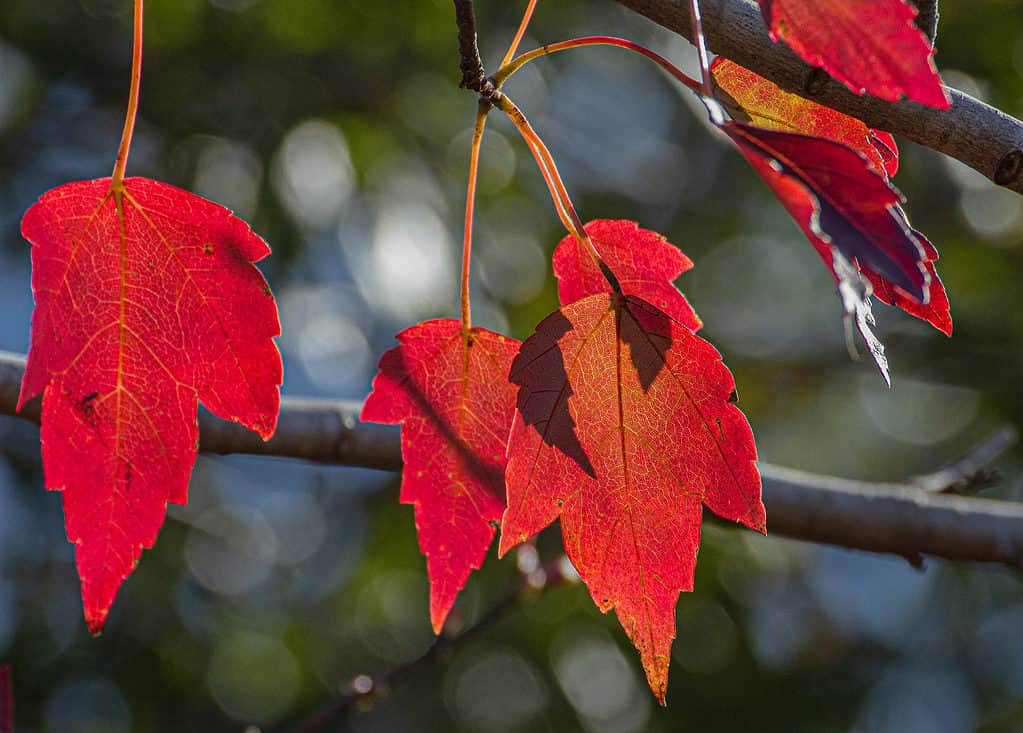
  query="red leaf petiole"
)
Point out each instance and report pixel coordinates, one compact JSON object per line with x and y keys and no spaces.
{"x":117,"y":182}
{"x":510,"y":67}
{"x":470,"y":205}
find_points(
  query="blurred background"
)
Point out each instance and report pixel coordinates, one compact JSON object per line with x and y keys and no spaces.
{"x":337,"y":129}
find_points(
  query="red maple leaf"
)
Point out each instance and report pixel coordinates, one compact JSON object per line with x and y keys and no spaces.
{"x":644,"y":262}
{"x":770,"y":107}
{"x":146,"y":301}
{"x":6,"y":700}
{"x":625,"y":427}
{"x":450,"y":391}
{"x":871,"y":46}
{"x":750,"y":97}
{"x":837,"y":196}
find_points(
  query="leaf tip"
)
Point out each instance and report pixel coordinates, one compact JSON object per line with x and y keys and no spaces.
{"x":657,"y":678}
{"x":96,"y":619}
{"x":441,"y":603}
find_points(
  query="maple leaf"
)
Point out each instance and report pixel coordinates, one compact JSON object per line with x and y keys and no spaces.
{"x":643,"y":261}
{"x":847,"y":210}
{"x":626,"y":453}
{"x":871,"y":46}
{"x":770,"y":107}
{"x":836,"y":196}
{"x":6,"y":700}
{"x":146,"y":301}
{"x":450,"y":391}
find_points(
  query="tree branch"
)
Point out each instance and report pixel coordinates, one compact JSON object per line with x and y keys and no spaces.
{"x":975,"y":133}
{"x":474,"y":77}
{"x":910,"y":519}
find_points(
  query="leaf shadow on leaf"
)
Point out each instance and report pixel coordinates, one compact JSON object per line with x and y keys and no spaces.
{"x":547,"y":410}
{"x":650,"y":332}
{"x":489,"y":474}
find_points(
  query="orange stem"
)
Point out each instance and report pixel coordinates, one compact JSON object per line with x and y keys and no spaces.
{"x":510,"y":67}
{"x":470,"y":205}
{"x":559,"y":193}
{"x":117,"y":181}
{"x":526,"y":17}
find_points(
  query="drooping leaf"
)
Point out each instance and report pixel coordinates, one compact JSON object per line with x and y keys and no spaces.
{"x":767,"y":105}
{"x":644,"y":262}
{"x":835,"y":195}
{"x":146,"y":301}
{"x":624,"y":429}
{"x":450,"y":391}
{"x":6,"y":700}
{"x":935,"y":311}
{"x":871,"y":46}
{"x":770,"y":107}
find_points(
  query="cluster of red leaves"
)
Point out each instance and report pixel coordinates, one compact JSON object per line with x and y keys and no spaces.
{"x":622,"y":419}
{"x":622,"y":425}
{"x":614,"y":416}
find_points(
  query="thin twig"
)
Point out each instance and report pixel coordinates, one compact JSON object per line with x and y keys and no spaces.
{"x":474,"y":77}
{"x":364,"y":691}
{"x":969,"y":474}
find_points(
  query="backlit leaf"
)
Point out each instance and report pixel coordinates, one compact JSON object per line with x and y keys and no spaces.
{"x":871,"y":46}
{"x":836,"y":196}
{"x":645,"y":263}
{"x":767,"y":105}
{"x":146,"y":301}
{"x":625,"y":428}
{"x":770,"y":107}
{"x":450,"y":391}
